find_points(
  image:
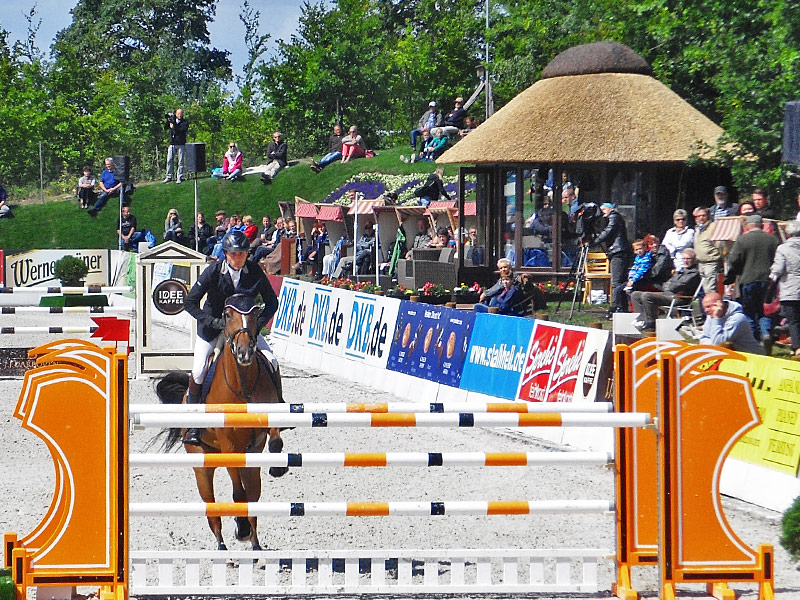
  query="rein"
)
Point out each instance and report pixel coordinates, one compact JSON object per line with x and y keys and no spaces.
{"x":245,"y":394}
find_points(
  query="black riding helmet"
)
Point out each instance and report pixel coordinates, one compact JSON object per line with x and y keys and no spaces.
{"x":235,"y":241}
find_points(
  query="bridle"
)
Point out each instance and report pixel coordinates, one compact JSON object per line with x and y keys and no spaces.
{"x":230,"y":341}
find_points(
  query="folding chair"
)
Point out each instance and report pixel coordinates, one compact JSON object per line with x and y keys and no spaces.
{"x":683,"y":307}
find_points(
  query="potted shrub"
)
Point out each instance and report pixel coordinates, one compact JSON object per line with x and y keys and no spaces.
{"x":71,"y":270}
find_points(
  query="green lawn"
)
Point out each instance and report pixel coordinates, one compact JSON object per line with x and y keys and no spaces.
{"x":60,"y":223}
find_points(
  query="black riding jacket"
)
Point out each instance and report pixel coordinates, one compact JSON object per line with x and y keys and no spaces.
{"x":216,"y":283}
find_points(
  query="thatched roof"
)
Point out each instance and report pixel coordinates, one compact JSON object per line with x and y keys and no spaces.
{"x":594,"y":117}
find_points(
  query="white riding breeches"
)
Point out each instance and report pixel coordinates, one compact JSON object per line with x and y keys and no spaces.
{"x":203,"y":349}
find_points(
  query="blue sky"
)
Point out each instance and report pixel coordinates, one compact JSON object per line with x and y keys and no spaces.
{"x":278,"y":18}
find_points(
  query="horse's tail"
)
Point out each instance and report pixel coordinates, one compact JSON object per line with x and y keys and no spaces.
{"x":170,"y":390}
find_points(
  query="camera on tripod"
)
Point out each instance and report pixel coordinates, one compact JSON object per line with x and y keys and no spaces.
{"x":587,"y":219}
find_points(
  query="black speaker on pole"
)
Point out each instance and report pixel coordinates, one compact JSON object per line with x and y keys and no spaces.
{"x":791,"y":134}
{"x":195,"y":157}
{"x":122,"y":167}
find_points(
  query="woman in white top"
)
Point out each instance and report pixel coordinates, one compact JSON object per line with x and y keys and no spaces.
{"x":678,"y":238}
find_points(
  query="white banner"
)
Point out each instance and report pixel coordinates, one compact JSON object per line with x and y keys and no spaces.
{"x":36,"y":267}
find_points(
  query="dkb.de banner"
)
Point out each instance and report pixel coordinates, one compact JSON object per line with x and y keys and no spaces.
{"x":431,"y":342}
{"x":775,"y":444}
{"x":496,"y":355}
{"x":563,"y":364}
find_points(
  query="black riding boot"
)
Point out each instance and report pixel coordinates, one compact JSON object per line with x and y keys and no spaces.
{"x":275,"y":375}
{"x":194,"y":396}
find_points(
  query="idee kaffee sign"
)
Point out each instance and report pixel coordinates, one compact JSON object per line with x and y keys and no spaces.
{"x":564,"y":364}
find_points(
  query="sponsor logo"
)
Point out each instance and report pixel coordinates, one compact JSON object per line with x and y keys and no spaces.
{"x":325,"y":326}
{"x":539,"y":364}
{"x":169,"y":296}
{"x":589,"y":374}
{"x":290,"y":315}
{"x":366,"y":331}
{"x":26,"y":271}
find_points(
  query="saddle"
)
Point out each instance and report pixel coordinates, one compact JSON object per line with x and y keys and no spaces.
{"x":214,"y":360}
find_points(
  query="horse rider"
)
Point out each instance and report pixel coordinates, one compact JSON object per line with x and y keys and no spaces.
{"x":234,"y":275}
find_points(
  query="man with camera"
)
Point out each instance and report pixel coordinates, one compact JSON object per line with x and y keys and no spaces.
{"x":615,"y":239}
{"x":178,"y":128}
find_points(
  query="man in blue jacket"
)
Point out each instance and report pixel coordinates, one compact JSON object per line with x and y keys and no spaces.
{"x":727,"y":322}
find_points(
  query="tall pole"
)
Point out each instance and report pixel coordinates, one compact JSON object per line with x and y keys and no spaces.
{"x":196,"y":227}
{"x":488,"y":84}
{"x":41,"y":174}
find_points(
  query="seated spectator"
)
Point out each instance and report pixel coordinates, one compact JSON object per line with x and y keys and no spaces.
{"x":353,"y":145}
{"x":250,"y":228}
{"x":747,"y":208}
{"x":5,"y":209}
{"x":200,"y":233}
{"x":334,"y":150}
{"x":437,"y":147}
{"x":430,"y":118}
{"x":221,"y":218}
{"x":232,"y":162}
{"x":470,"y":124}
{"x":277,"y":151}
{"x":129,"y":235}
{"x":727,"y":323}
{"x":422,"y":239}
{"x":722,"y":206}
{"x":427,"y":140}
{"x":682,"y":283}
{"x":173,"y":227}
{"x":473,"y":251}
{"x":235,"y":223}
{"x":642,"y":261}
{"x":661,"y":266}
{"x":454,"y":120}
{"x":678,"y":238}
{"x":86,"y":185}
{"x":110,"y":186}
{"x":315,"y":247}
{"x":214,"y":244}
{"x":267,"y":230}
{"x":266,"y":249}
{"x":365,"y":250}
{"x":432,"y":189}
{"x":331,"y":261}
{"x":442,"y":239}
{"x":509,"y":301}
{"x":504,"y":266}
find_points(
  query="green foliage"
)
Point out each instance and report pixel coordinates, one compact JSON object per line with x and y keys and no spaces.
{"x":790,"y":530}
{"x":70,"y":268}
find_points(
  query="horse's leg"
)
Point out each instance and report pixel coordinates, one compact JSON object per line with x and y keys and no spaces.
{"x":275,"y":446}
{"x":251,"y":480}
{"x":245,"y":526}
{"x":205,"y":485}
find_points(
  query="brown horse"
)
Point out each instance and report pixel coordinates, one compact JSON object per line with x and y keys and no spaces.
{"x":242,"y":375}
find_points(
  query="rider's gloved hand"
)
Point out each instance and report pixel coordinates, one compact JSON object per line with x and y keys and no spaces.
{"x":218,"y":323}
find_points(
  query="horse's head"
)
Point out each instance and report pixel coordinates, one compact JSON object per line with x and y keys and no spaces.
{"x":241,"y":327}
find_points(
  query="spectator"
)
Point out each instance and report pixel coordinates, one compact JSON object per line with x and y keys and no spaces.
{"x":678,"y":238}
{"x":173,"y":227}
{"x":709,"y":259}
{"x":642,"y":261}
{"x":747,"y":208}
{"x":86,"y":185}
{"x":726,"y":323}
{"x":331,"y":261}
{"x":508,"y":301}
{"x":454,"y":120}
{"x":5,"y":209}
{"x":722,"y":206}
{"x":276,"y":157}
{"x":436,"y":147}
{"x":470,"y":124}
{"x":785,"y":271}
{"x":129,"y":235}
{"x":365,"y":250}
{"x":430,"y":118}
{"x":750,"y":260}
{"x":442,"y":239}
{"x":422,"y":239}
{"x":432,"y":189}
{"x":504,"y":266}
{"x":315,"y":247}
{"x":200,"y":233}
{"x":473,"y":251}
{"x":232,"y":162}
{"x":427,"y":140}
{"x":682,"y":283}
{"x":178,"y":128}
{"x":110,"y":186}
{"x":250,"y":228}
{"x":797,"y":218}
{"x":661,"y":267}
{"x":761,"y":204}
{"x":615,"y":238}
{"x":268,"y":247}
{"x":267,"y":229}
{"x":334,"y":150}
{"x":235,"y":223}
{"x":353,"y":145}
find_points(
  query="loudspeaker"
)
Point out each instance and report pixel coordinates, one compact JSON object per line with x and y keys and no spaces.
{"x":791,"y":134}
{"x":195,"y":157}
{"x":122,"y":167}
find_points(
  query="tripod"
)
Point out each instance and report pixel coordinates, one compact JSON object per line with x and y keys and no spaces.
{"x":577,"y":275}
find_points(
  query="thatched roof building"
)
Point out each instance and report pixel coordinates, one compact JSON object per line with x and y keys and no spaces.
{"x":596,"y":103}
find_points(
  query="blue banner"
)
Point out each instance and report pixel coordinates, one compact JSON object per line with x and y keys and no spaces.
{"x":431,"y":342}
{"x":496,"y":355}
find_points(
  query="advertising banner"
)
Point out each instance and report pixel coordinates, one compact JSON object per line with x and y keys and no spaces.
{"x":288,"y":321}
{"x":496,"y":355}
{"x":564,"y":364}
{"x":775,"y":444}
{"x":370,"y":322}
{"x":431,"y":342}
{"x":36,"y":267}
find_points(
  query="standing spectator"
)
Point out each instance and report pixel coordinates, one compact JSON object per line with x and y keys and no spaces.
{"x":353,"y":145}
{"x":129,"y":235}
{"x":5,"y":209}
{"x":432,"y":189}
{"x":750,"y":260}
{"x":454,"y":120}
{"x":726,"y":323}
{"x":761,"y":204}
{"x":334,"y":150}
{"x":785,"y":271}
{"x":86,"y":185}
{"x":615,"y":238}
{"x":678,"y":238}
{"x":709,"y":259}
{"x":722,"y":206}
{"x":110,"y":186}
{"x":200,"y":233}
{"x":173,"y":227}
{"x":430,"y":118}
{"x":178,"y":128}
{"x":276,"y":156}
{"x":232,"y":162}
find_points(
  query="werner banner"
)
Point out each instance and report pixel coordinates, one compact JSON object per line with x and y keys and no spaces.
{"x":37,"y":267}
{"x":563,"y":364}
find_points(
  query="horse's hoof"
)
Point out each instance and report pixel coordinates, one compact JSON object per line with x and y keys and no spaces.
{"x":275,"y":445}
{"x":222,"y":547}
{"x":278,"y":471}
{"x":243,"y":529}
